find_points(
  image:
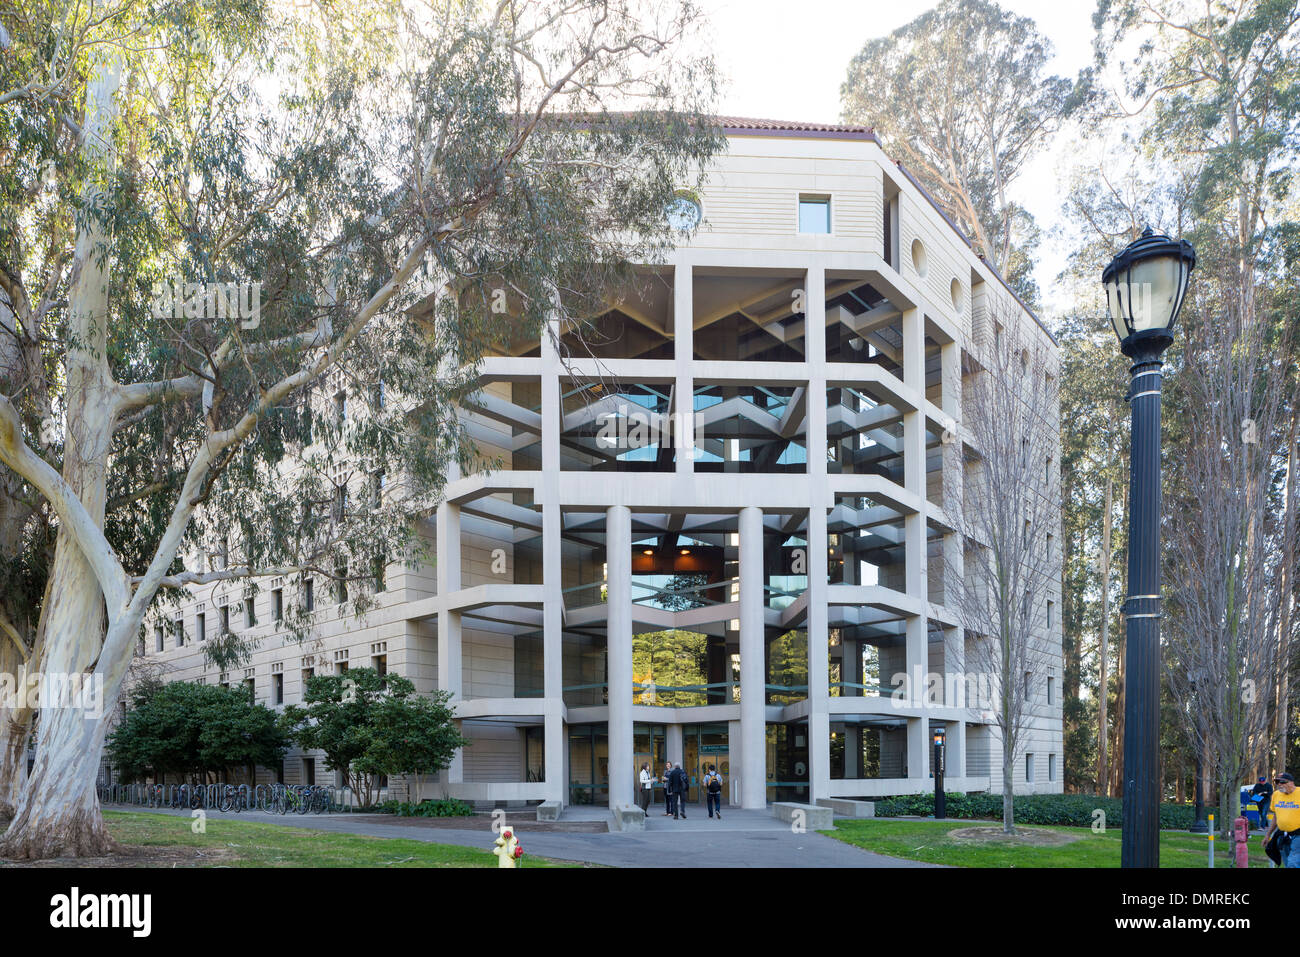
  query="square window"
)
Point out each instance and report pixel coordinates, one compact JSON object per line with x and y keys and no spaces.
{"x":814,"y":214}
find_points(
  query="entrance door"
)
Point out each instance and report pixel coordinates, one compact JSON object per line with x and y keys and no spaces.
{"x":702,"y":745}
{"x":650,"y":746}
{"x":588,"y":764}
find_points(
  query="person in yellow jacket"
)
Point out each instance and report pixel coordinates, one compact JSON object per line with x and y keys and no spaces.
{"x":1285,"y":808}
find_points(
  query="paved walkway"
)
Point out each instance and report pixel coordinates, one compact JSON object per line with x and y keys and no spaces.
{"x":740,"y":839}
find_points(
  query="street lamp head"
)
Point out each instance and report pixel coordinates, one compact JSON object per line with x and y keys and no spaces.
{"x":1145,"y":287}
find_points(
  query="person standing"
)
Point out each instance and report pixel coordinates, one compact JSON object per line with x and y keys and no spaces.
{"x":646,"y":791}
{"x":680,"y":784}
{"x":1261,"y":795}
{"x":670,"y":796}
{"x":713,"y":792}
{"x":1286,"y":818}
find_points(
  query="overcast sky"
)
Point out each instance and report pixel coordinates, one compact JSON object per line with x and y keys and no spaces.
{"x":786,"y":60}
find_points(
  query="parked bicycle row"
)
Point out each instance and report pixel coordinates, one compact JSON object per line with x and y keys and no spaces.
{"x":272,"y":798}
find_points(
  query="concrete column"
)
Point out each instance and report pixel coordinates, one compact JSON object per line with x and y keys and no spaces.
{"x":553,"y":656}
{"x":547,"y":496}
{"x":676,"y":748}
{"x":851,"y":668}
{"x":956,"y":748}
{"x":449,"y":679}
{"x":449,"y":629}
{"x":683,"y":382}
{"x":819,"y":728}
{"x":734,"y":735}
{"x":853,"y":751}
{"x":914,"y":350}
{"x":753,"y":726}
{"x":618,"y":547}
{"x":918,"y":747}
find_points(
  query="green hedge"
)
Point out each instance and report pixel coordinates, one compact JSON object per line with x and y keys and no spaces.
{"x":449,"y":807}
{"x":1065,"y":810}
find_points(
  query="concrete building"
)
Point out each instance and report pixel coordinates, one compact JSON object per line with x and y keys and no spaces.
{"x":711,"y":525}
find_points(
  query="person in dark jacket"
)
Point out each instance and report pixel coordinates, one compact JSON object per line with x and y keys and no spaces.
{"x":679,"y":783}
{"x":1261,"y":795}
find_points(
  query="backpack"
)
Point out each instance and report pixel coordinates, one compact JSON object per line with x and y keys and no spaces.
{"x":715,"y":782}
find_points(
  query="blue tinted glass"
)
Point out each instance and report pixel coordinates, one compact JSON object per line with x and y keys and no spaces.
{"x":814,"y":215}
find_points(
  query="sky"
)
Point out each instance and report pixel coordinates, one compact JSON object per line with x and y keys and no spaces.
{"x":786,"y":61}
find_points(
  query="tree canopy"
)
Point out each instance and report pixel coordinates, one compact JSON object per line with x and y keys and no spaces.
{"x":192,"y":729}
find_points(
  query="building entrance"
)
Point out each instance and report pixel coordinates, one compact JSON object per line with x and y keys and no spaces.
{"x":702,"y":745}
{"x":589,"y":764}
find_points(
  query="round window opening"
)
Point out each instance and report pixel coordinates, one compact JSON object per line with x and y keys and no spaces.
{"x":918,"y":257}
{"x":956,"y":295}
{"x":685,"y":211}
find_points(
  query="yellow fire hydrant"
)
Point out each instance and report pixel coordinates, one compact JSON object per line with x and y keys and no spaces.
{"x":508,"y":850}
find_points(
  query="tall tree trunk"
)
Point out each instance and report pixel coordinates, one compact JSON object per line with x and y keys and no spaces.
{"x":58,"y":812}
{"x":1280,"y":724}
{"x":1008,"y":793}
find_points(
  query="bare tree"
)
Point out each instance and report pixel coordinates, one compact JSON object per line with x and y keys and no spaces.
{"x":1227,"y":543}
{"x":1007,"y":571}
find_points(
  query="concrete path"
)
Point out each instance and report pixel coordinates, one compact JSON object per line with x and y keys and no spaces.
{"x":740,"y":839}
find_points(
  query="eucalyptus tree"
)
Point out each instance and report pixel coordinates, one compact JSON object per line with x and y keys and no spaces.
{"x":962,"y":96}
{"x":1216,"y":87}
{"x":292,"y":231}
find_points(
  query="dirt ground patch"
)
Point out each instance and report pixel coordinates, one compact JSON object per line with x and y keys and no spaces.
{"x":1021,"y":836}
{"x":140,"y":855}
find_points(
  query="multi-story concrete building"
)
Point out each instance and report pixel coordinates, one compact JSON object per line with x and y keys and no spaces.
{"x":710,"y":525}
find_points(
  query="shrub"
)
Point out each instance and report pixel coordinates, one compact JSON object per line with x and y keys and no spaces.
{"x":449,"y":807}
{"x":1059,"y":810}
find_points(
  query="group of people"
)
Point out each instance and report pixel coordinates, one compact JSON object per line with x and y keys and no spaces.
{"x":677,"y":784}
{"x":1283,"y":814}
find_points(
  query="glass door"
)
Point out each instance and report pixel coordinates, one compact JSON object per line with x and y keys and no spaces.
{"x":589,"y":764}
{"x":705,"y":744}
{"x":650,"y":746}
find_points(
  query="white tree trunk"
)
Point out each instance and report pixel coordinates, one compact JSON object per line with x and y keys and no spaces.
{"x":57,"y":813}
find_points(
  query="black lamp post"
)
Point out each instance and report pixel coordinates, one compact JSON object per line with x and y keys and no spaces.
{"x":1145,"y":286}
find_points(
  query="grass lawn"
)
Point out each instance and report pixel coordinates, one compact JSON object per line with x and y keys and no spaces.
{"x":248,"y":844}
{"x":929,"y":841}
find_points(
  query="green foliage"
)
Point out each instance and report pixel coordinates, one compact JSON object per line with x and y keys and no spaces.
{"x":194,"y":729}
{"x":446,"y":807}
{"x":962,"y":96}
{"x":370,"y":724}
{"x":1064,"y":810}
{"x":674,"y":658}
